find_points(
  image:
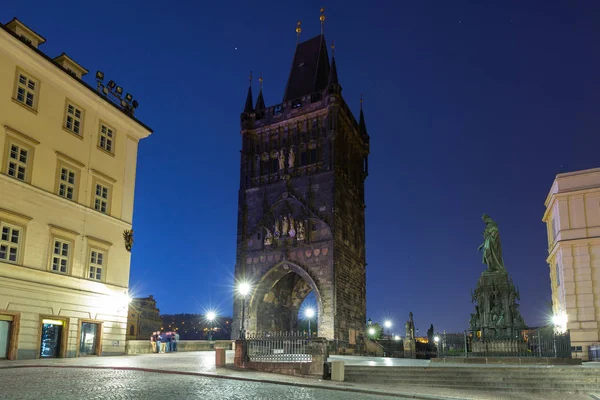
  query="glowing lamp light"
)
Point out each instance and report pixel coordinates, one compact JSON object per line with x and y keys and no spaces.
{"x":244,"y":288}
{"x":387,"y":324}
{"x":436,"y":339}
{"x":309,"y":312}
{"x":371,"y":331}
{"x":396,"y":337}
{"x":560,"y":322}
{"x":211,"y":315}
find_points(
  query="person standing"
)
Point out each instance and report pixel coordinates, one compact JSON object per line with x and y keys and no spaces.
{"x":168,"y":335}
{"x":153,"y":342}
{"x":163,"y":342}
{"x":175,"y":340}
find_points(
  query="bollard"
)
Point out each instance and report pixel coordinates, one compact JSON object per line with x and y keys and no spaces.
{"x":219,"y":357}
{"x":337,"y":371}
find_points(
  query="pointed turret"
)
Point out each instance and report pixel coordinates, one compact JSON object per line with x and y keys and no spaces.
{"x":248,"y":107}
{"x":260,"y":101}
{"x":333,"y":76}
{"x":362,"y":126}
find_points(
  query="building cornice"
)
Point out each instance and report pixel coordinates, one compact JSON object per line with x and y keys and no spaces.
{"x":563,"y":242}
{"x":72,"y":78}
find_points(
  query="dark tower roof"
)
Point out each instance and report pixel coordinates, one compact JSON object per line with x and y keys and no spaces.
{"x":310,"y":69}
{"x":248,"y":107}
{"x":260,"y":101}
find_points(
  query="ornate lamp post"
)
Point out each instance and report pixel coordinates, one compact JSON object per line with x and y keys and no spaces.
{"x":243,"y":290}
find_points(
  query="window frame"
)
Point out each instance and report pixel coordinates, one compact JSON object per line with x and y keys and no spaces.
{"x":19,"y":221}
{"x":101,"y":135}
{"x":36,"y":92}
{"x":106,"y":181}
{"x":81,"y":119}
{"x":99,"y":246}
{"x":9,"y":244}
{"x":66,"y":236}
{"x":20,"y":139}
{"x":64,"y":161}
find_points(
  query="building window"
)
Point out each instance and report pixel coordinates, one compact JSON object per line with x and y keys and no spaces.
{"x":60,"y":256}
{"x":101,"y":198}
{"x":106,"y":138}
{"x":66,"y":185}
{"x":10,"y":240}
{"x":26,"y":90}
{"x":557,"y":267}
{"x":554,"y":230}
{"x":96,"y":265}
{"x":18,"y":157}
{"x":74,"y":118}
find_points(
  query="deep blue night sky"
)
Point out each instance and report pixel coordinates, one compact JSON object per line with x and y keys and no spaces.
{"x":470,"y":109}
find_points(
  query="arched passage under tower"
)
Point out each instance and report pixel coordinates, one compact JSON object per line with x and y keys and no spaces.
{"x":277,"y":298}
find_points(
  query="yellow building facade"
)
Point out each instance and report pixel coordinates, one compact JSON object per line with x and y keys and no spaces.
{"x":572,"y":218}
{"x":67,"y":175}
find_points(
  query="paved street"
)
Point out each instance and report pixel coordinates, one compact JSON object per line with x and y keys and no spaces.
{"x":77,"y":384}
{"x":193,"y":375}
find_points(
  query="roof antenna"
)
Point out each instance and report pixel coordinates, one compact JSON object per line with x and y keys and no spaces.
{"x":322,"y":18}
{"x":261,"y":81}
{"x":361,"y":101}
{"x":250,"y":78}
{"x":298,"y":30}
{"x":332,"y":48}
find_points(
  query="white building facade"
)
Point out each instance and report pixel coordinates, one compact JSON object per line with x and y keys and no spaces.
{"x":572,"y":218}
{"x":68,"y":159}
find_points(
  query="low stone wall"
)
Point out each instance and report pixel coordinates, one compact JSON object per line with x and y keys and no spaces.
{"x":144,"y":346}
{"x":508,"y":360}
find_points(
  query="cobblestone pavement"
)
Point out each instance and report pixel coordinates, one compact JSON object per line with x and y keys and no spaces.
{"x":177,"y":374}
{"x":109,"y":384}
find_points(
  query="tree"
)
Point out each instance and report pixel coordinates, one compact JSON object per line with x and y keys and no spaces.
{"x":430,"y":334}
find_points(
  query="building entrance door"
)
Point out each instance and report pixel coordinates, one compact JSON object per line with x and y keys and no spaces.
{"x":4,"y":338}
{"x":88,"y":339}
{"x":52,"y":331}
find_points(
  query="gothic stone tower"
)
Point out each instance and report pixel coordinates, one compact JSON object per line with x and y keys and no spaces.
{"x":301,"y":221}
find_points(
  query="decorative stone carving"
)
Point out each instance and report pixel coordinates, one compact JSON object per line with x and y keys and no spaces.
{"x":277,"y":230}
{"x":128,"y":236}
{"x":292,"y":231}
{"x":285,"y":226}
{"x":291,"y":158}
{"x":281,"y":160}
{"x":268,"y":237}
{"x":300,"y":233}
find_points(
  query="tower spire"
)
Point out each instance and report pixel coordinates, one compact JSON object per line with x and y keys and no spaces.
{"x":322,"y":18}
{"x":362,"y":126}
{"x":298,"y":30}
{"x":333,"y":76}
{"x":260,"y":101}
{"x":248,"y":107}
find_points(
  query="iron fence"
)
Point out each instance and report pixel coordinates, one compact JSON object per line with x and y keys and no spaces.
{"x":279,"y":347}
{"x":529,"y":342}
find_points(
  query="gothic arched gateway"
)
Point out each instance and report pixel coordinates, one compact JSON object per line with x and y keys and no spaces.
{"x":301,"y":221}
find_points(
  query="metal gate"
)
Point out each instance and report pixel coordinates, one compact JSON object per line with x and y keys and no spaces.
{"x":279,"y":347}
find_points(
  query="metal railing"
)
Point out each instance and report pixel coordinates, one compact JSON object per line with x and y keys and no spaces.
{"x":279,"y":347}
{"x":529,"y":342}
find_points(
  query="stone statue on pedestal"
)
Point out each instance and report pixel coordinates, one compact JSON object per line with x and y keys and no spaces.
{"x":285,"y":226}
{"x":292,"y":231}
{"x":291,"y":158}
{"x":496,"y":311}
{"x":268,"y":237}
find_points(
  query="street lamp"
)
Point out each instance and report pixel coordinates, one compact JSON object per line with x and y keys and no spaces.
{"x":371,"y":331}
{"x":388,"y":325}
{"x":309,"y":313}
{"x":436,"y":339}
{"x":210,"y":316}
{"x":243,"y":290}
